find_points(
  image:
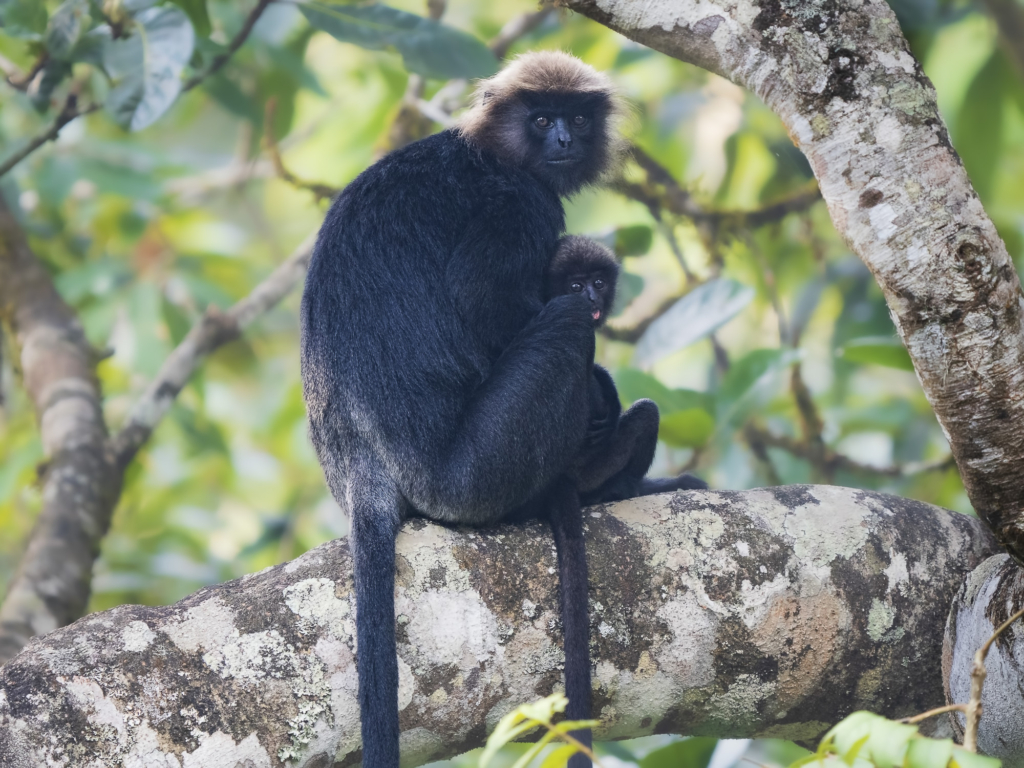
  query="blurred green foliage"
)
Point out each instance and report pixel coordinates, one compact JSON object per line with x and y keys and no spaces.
{"x":164,"y":203}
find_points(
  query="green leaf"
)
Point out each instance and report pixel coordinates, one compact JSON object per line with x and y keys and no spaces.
{"x":633,"y":241}
{"x":92,"y":279}
{"x":699,"y":313}
{"x":872,"y":737}
{"x":559,"y":757}
{"x":197,"y":14}
{"x":746,"y":373}
{"x":694,"y":752}
{"x":889,"y":741}
{"x":54,"y":72}
{"x":178,"y":323}
{"x":23,"y":19}
{"x":146,"y":67}
{"x":427,"y":47}
{"x":66,"y":26}
{"x":929,"y":753}
{"x":519,"y":721}
{"x":527,"y":757}
{"x":964,"y":759}
{"x":232,"y":98}
{"x":691,"y":428}
{"x":880,"y":350}
{"x":979,"y":124}
{"x":635,"y":385}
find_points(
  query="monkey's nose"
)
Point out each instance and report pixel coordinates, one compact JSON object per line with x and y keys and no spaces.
{"x":565,"y":141}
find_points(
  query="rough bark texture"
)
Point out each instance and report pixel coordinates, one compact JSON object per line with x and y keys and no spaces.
{"x":84,"y":470}
{"x":81,"y":480}
{"x":988,"y":598}
{"x":770,"y":612}
{"x":841,"y":77}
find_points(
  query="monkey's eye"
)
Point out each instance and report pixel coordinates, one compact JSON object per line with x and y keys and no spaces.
{"x":576,"y":287}
{"x":579,"y":120}
{"x":599,"y":284}
{"x":542,"y":122}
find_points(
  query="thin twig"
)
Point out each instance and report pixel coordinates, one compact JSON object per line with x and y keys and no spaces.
{"x":759,"y":447}
{"x":932,"y":713}
{"x":978,"y":674}
{"x":322,"y":191}
{"x":668,"y":231}
{"x":834,"y":461}
{"x":17,"y":80}
{"x":662,"y":192}
{"x":214,"y":329}
{"x":811,"y":424}
{"x":236,"y":42}
{"x":516,"y":28}
{"x":68,"y":113}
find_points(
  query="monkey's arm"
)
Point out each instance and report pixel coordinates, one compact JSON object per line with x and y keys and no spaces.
{"x":605,"y":408}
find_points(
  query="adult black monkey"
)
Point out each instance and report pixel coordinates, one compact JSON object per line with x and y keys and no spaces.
{"x":437,"y":380}
{"x":619,"y":447}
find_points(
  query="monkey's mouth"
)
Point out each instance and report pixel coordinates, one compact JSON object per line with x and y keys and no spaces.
{"x":563,"y":161}
{"x":596,"y":314}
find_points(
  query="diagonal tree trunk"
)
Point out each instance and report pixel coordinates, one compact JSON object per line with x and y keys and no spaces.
{"x":841,"y":77}
{"x":81,"y":479}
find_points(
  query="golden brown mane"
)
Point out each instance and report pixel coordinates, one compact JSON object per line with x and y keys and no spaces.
{"x":491,"y":120}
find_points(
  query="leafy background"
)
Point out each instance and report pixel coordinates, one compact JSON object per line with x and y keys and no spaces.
{"x":771,"y":352}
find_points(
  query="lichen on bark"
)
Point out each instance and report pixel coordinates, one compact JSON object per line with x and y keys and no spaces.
{"x":771,"y":612}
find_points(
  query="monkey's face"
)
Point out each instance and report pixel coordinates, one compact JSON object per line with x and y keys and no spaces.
{"x":564,"y":137}
{"x":598,"y":288}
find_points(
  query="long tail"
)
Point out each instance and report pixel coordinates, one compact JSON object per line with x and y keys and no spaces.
{"x":567,"y":523}
{"x":374,"y":526}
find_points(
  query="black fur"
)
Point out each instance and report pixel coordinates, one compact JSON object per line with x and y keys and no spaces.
{"x":437,"y":380}
{"x":619,"y":447}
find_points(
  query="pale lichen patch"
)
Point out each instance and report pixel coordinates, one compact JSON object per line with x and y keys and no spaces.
{"x":137,"y":636}
{"x":880,"y":619}
{"x":219,"y":750}
{"x":835,"y":529}
{"x":897,"y":572}
{"x":317,"y":601}
{"x":206,"y":625}
{"x":450,"y":627}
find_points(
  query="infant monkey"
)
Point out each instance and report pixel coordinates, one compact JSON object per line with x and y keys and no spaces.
{"x":619,"y":446}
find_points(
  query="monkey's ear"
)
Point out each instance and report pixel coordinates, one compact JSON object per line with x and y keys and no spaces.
{"x":486,"y":97}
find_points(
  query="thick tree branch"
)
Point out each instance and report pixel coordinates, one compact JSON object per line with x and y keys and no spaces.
{"x":83,"y":475}
{"x":990,"y":596}
{"x":842,"y":79}
{"x":770,"y":612}
{"x":81,"y":481}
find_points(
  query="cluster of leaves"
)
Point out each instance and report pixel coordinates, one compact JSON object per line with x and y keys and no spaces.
{"x":142,"y":50}
{"x":862,"y":740}
{"x":502,"y":746}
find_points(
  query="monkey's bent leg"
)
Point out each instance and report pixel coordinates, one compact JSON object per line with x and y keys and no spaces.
{"x":523,"y":426}
{"x":566,"y":517}
{"x":617,"y":471}
{"x":376,"y":511}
